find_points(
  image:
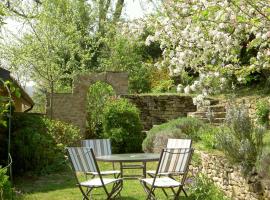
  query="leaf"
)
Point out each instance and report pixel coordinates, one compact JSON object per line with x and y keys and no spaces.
{"x":17,"y":93}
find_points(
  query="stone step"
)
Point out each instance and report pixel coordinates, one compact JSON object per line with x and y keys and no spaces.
{"x":214,"y":120}
{"x":205,"y":114}
{"x":213,"y":101}
{"x":215,"y":108}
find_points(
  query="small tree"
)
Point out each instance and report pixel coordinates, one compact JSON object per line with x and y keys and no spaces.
{"x":97,"y":96}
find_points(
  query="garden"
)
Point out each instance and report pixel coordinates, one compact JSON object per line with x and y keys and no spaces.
{"x":193,"y":70}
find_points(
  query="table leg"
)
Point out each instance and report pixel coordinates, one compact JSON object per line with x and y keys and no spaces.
{"x":144,"y":169}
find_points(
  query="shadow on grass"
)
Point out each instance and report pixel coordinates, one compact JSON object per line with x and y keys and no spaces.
{"x":59,"y":181}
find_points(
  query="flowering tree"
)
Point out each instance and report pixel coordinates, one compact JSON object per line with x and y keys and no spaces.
{"x":219,"y":39}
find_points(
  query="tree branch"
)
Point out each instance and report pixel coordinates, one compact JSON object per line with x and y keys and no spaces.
{"x":118,"y":10}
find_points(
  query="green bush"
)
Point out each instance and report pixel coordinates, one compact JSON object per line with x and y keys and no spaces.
{"x":38,"y":143}
{"x":239,"y":139}
{"x":122,"y":125}
{"x":97,"y":95}
{"x":177,"y":128}
{"x":163,"y":86}
{"x":262,"y":112}
{"x":139,"y":79}
{"x":5,"y":185}
{"x":62,"y":133}
{"x":204,"y":188}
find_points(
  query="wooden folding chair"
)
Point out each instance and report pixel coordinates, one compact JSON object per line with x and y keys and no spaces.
{"x":101,"y":147}
{"x":174,"y":162}
{"x":83,"y":160}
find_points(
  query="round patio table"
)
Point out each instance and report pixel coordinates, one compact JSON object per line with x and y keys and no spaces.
{"x":123,"y":159}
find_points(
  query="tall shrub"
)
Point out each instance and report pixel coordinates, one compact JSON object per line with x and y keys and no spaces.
{"x":121,"y":123}
{"x":62,"y":133}
{"x":239,"y":139}
{"x":97,"y":95}
{"x":38,"y":143}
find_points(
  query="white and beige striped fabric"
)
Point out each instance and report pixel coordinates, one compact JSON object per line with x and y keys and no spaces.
{"x":82,"y":159}
{"x":179,"y":143}
{"x":175,"y":160}
{"x":174,"y":143}
{"x":100,"y":147}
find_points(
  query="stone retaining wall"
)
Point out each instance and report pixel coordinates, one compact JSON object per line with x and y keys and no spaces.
{"x":158,"y":109}
{"x":250,"y":103}
{"x":229,"y":179}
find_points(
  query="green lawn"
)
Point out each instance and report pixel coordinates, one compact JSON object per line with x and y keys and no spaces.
{"x":61,"y":186}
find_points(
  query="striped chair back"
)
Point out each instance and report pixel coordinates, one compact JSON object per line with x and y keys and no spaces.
{"x":175,"y":161}
{"x":82,"y":159}
{"x":179,"y":143}
{"x":100,"y":146}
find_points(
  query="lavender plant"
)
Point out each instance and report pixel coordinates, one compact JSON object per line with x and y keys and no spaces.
{"x":240,"y":140}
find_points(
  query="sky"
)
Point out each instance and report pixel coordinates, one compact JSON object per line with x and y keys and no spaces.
{"x":134,"y":9}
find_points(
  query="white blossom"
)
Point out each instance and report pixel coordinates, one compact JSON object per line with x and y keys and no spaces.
{"x":179,"y":88}
{"x":187,"y":90}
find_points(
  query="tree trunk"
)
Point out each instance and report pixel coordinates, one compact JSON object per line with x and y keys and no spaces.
{"x":51,"y":98}
{"x":118,"y":10}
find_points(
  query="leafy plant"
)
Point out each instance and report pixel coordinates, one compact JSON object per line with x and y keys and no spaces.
{"x":178,"y":128}
{"x":127,"y":53}
{"x":62,"y":133}
{"x":8,"y":89}
{"x":239,"y":139}
{"x":122,"y":125}
{"x":262,"y":112}
{"x":207,"y":136}
{"x":203,"y":188}
{"x":97,"y":95}
{"x":5,"y":185}
{"x":163,"y":86}
{"x":38,"y":143}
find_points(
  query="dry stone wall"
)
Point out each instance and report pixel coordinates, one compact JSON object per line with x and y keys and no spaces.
{"x":250,"y":102}
{"x":226,"y":176}
{"x":158,"y":109}
{"x":71,"y":107}
{"x":230,"y":180}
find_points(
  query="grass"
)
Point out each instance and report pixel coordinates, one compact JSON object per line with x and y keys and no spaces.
{"x":62,"y":186}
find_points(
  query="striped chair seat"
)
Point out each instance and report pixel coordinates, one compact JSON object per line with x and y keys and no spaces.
{"x":105,"y":172}
{"x":163,"y":182}
{"x":96,"y":182}
{"x":160,"y":174}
